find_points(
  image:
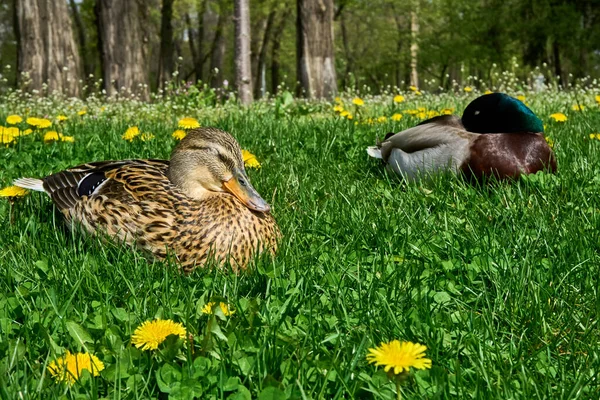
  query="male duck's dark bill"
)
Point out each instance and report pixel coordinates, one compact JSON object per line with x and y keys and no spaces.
{"x":239,"y":186}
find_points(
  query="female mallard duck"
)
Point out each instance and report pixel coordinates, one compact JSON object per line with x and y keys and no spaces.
{"x":497,"y":136}
{"x":200,"y":203}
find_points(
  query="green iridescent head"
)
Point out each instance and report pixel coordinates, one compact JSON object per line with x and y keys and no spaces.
{"x":500,"y":113}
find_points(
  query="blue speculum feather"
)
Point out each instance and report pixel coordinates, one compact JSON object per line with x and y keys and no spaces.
{"x":90,"y":183}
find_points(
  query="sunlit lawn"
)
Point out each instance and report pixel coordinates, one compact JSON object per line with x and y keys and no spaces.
{"x":500,"y":283}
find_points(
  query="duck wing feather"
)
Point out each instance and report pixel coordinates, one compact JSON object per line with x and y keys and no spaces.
{"x":438,"y":144}
{"x":437,"y":131}
{"x":68,"y":187}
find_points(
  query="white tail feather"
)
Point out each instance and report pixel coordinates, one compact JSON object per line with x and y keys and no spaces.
{"x":30,"y":183}
{"x":374,"y":152}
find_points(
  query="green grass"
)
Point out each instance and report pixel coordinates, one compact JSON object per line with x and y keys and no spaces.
{"x":500,"y":283}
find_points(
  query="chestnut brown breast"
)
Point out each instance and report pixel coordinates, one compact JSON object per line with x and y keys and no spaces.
{"x":508,"y":155}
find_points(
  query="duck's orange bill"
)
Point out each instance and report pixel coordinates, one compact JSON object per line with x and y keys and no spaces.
{"x":240,"y":187}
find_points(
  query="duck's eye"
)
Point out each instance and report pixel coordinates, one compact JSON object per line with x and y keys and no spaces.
{"x":242,"y":182}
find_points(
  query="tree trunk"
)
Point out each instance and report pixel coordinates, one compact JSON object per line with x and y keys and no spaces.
{"x":191,"y":41}
{"x":557,"y":65}
{"x":443,"y":74}
{"x":217,"y":53}
{"x":259,"y":87}
{"x":165,"y":67}
{"x":46,"y":47}
{"x":88,"y":65}
{"x":275,"y":52}
{"x":414,"y":46}
{"x":243,"y":66}
{"x":587,"y":22}
{"x":315,"y":52}
{"x":400,"y":32}
{"x":258,"y":31}
{"x":349,"y":58}
{"x":123,"y":46}
{"x":199,"y":62}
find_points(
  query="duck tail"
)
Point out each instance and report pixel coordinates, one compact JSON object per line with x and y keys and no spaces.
{"x":30,"y":183}
{"x":374,"y":152}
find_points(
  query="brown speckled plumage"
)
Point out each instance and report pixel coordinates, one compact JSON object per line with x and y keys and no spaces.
{"x":135,"y":201}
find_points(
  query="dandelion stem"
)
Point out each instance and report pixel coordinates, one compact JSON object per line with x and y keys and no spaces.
{"x":398,"y":391}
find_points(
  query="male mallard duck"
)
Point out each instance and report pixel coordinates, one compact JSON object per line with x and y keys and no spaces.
{"x":497,"y":136}
{"x":200,"y":203}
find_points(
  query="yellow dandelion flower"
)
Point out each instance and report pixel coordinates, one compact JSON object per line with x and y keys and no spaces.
{"x":344,"y":113}
{"x":70,"y":367}
{"x":226,"y":310}
{"x":209,"y":307}
{"x":421,"y":109}
{"x":43,"y":123}
{"x":131,"y":133}
{"x":413,"y":88}
{"x":550,"y":142}
{"x":578,"y":107}
{"x":447,"y":111}
{"x":488,"y":92}
{"x":26,"y":132}
{"x":399,"y":357}
{"x":33,"y":121}
{"x":82,"y":112}
{"x":422,"y":115}
{"x":418,"y":93}
{"x":396,"y":117}
{"x":13,"y":191}
{"x":51,"y":136}
{"x":250,"y":160}
{"x":338,"y":108}
{"x":62,"y":118}
{"x":146,"y":136}
{"x":349,"y":116}
{"x":150,"y":334}
{"x":188,"y":123}
{"x":598,"y":98}
{"x":558,"y":117}
{"x":468,"y":89}
{"x":382,"y":119}
{"x":398,"y":98}
{"x":338,"y":100}
{"x":179,"y":134}
{"x":13,"y":119}
{"x":12,"y":131}
{"x":521,"y":98}
{"x":432,"y":113}
{"x":595,"y":136}
{"x":411,"y":112}
{"x":357,"y":101}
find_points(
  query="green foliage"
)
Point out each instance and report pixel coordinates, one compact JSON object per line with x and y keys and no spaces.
{"x":8,"y":47}
{"x":458,"y":40}
{"x":499,"y":282}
